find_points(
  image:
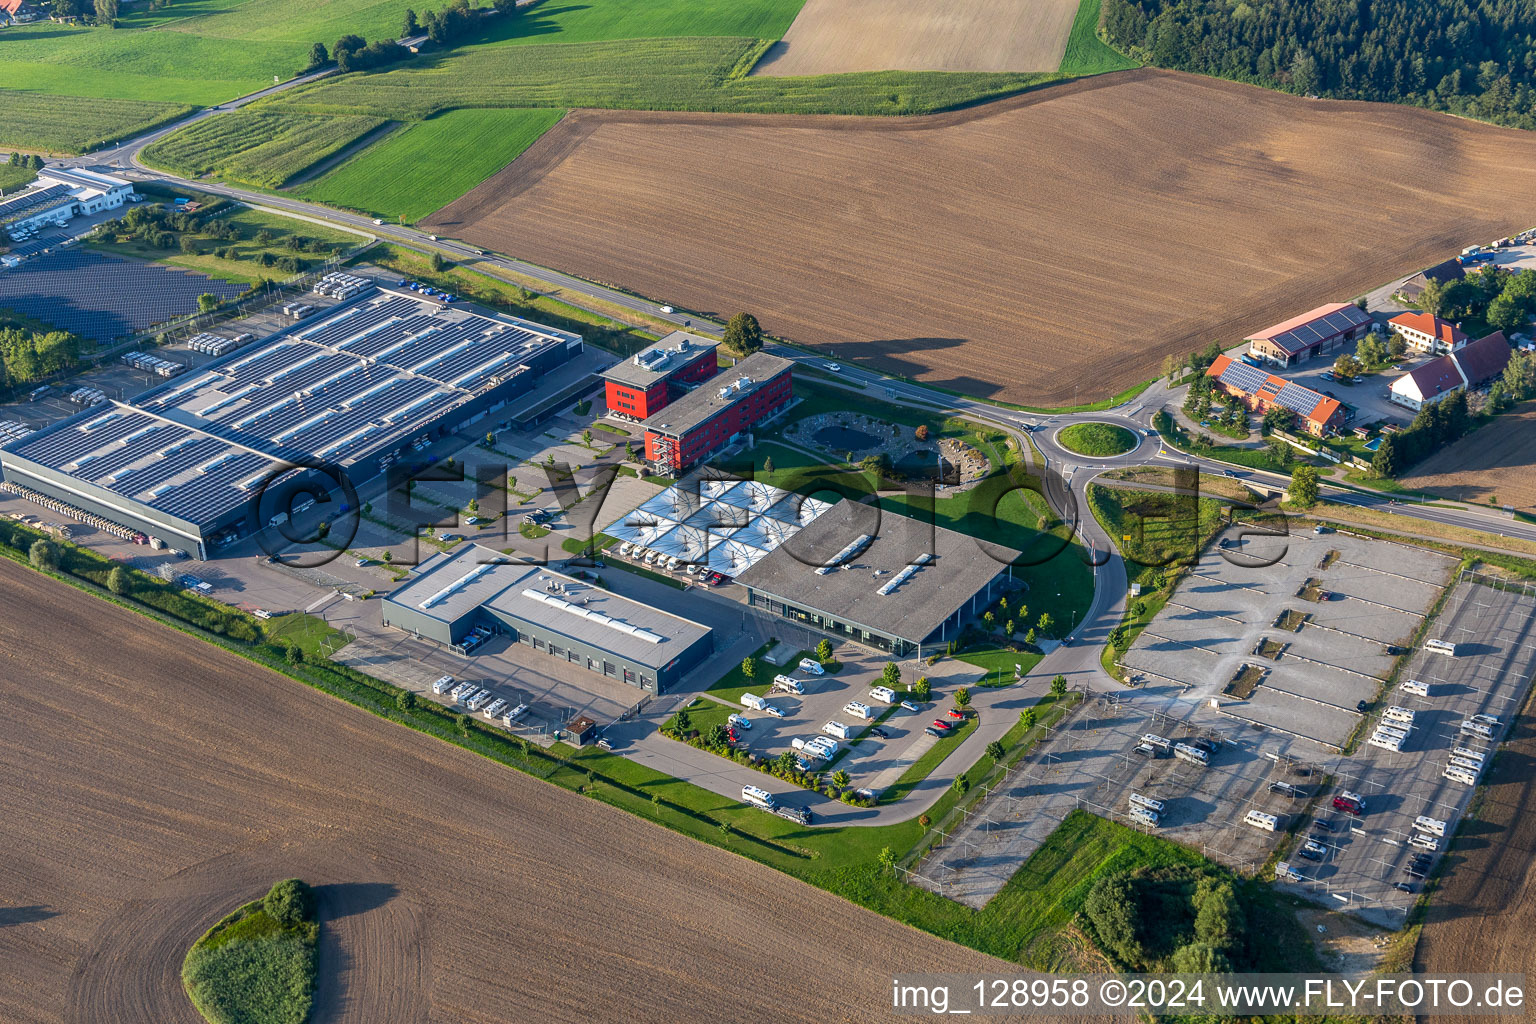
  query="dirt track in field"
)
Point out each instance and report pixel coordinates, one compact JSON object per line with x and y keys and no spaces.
{"x":838,"y":36}
{"x":149,"y":783}
{"x":1498,"y":461}
{"x":1049,"y":246}
{"x":1481,"y":920}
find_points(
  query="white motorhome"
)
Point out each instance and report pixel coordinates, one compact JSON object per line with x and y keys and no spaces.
{"x":1385,"y":742}
{"x":1434,"y":826}
{"x":1416,"y":688}
{"x":884,"y":693}
{"x":1148,"y":802}
{"x":1194,"y":755}
{"x":758,"y":796}
{"x":1468,"y":753}
{"x":1460,"y":775}
{"x":1396,"y":714}
{"x":789,"y":684}
{"x":1465,"y":764}
{"x":1473,"y":728}
{"x":1258,"y":819}
{"x":442,"y":685}
{"x":1440,"y":647}
{"x":838,"y":729}
{"x":859,"y":709}
{"x":1144,"y":815}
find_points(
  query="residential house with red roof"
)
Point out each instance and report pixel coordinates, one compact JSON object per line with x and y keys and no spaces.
{"x":1428,"y":334}
{"x":1316,"y":413}
{"x":1473,"y":365}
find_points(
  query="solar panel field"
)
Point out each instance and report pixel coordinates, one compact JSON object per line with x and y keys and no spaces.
{"x":914,"y":245}
{"x":428,"y":164}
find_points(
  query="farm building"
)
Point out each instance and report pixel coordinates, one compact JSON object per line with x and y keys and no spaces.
{"x":1471,"y":366}
{"x":1320,"y":332}
{"x":1428,"y":334}
{"x":643,"y":384}
{"x":19,"y":12}
{"x":881,"y":580}
{"x":60,"y":194}
{"x":576,"y":622}
{"x":1260,"y":391}
{"x":707,"y":419}
{"x":1442,"y":273}
{"x":342,"y":397}
{"x":721,"y":522}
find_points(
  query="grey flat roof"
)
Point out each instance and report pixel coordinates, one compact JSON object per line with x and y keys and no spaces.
{"x":956,"y":568}
{"x":699,"y":405}
{"x":450,"y":586}
{"x":661,"y":360}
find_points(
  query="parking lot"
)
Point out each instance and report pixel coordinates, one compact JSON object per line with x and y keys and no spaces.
{"x":1291,"y":633}
{"x":1495,"y":635}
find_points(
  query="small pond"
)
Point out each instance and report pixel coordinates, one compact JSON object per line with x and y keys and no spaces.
{"x":923,"y":464}
{"x":845,"y":439}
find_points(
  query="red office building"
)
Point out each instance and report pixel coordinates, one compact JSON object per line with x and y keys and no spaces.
{"x":642,"y":385}
{"x":707,"y":419}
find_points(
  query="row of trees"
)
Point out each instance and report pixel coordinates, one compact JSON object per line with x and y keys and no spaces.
{"x":456,"y":21}
{"x":1471,"y":57}
{"x":29,"y":356}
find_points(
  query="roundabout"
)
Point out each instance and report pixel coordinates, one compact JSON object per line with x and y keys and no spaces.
{"x":1097,"y":439}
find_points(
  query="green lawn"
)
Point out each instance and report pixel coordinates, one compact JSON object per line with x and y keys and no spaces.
{"x":70,"y":124}
{"x":999,"y":662}
{"x":1086,"y":53}
{"x":1154,"y":530}
{"x":644,"y":19}
{"x":734,"y":682}
{"x":1100,"y":439}
{"x":256,"y":147}
{"x":250,"y":969}
{"x":15,"y":177}
{"x":428,"y":164}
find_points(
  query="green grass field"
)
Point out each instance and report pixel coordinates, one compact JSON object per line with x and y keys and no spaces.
{"x":1086,"y":53}
{"x":567,"y":22}
{"x":12,"y":178}
{"x":426,"y":165}
{"x":69,"y":124}
{"x":263,"y":148}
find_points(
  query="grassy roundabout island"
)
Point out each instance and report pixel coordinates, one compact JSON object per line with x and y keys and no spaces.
{"x":258,"y":965}
{"x":1101,"y":439}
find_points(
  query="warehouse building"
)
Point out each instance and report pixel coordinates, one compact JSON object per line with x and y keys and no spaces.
{"x":59,"y":195}
{"x":191,"y":462}
{"x":563,"y":617}
{"x":1319,"y":332}
{"x":708,"y":419}
{"x":882,"y":580}
{"x":646,"y":382}
{"x":1318,"y":414}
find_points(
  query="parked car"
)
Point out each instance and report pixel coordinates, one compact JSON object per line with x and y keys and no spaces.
{"x":1325,"y":824}
{"x":1322,"y":529}
{"x":956,"y":713}
{"x":908,"y":705}
{"x":877,"y":731}
{"x":834,"y":367}
{"x":933,"y":731}
{"x":262,"y":613}
{"x":939,"y":723}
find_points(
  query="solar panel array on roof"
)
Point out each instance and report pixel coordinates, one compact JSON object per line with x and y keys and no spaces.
{"x":1324,"y":327}
{"x":339,"y":390}
{"x":1298,"y":399}
{"x":1241,"y":375}
{"x":10,"y":206}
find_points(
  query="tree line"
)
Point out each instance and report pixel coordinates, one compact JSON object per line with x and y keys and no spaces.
{"x":27,"y":357}
{"x":1471,"y":57}
{"x":1503,"y":299}
{"x":354,"y":53}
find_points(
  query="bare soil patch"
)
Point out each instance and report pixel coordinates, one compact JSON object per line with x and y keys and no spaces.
{"x":837,"y":36}
{"x":1050,"y":246}
{"x":149,"y":783}
{"x":1496,"y":462}
{"x":1482,"y":917}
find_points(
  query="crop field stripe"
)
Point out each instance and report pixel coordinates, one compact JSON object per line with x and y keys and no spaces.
{"x":54,"y":124}
{"x":1086,"y":53}
{"x":643,"y":19}
{"x":428,"y":164}
{"x":258,"y":147}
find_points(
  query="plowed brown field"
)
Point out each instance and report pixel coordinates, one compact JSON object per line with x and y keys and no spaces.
{"x":1482,"y":919}
{"x":1496,"y":462}
{"x":149,"y":783}
{"x":1049,"y":246}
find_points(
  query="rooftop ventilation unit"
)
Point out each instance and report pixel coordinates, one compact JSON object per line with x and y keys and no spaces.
{"x":639,"y":632}
{"x":458,"y":584}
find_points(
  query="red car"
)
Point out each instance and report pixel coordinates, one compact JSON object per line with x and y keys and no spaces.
{"x":956,"y":713}
{"x":939,"y":723}
{"x":716,"y":578}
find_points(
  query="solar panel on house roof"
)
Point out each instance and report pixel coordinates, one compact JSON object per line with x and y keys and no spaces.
{"x":1298,"y":399}
{"x":1241,"y":375}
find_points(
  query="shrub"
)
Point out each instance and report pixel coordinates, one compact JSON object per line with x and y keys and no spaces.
{"x":290,"y":902}
{"x":43,"y":555}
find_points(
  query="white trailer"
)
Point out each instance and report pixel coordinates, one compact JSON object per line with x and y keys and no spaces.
{"x":1194,"y":755}
{"x":442,"y":685}
{"x":497,"y":707}
{"x":753,"y":701}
